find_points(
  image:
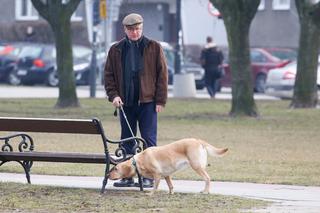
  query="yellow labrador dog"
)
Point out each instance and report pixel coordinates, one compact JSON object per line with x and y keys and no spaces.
{"x":162,"y":161}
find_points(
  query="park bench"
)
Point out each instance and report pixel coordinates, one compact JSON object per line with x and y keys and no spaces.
{"x":20,"y":146}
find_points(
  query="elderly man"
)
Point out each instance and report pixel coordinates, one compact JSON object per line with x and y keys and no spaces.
{"x":136,"y":77}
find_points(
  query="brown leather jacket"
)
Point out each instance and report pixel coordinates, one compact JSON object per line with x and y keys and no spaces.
{"x":153,"y":77}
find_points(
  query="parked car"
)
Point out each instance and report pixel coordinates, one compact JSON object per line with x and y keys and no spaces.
{"x":261,"y":63}
{"x":6,"y":49}
{"x":283,"y":53}
{"x":280,"y":81}
{"x":8,"y":60}
{"x":37,"y":64}
{"x":187,"y":66}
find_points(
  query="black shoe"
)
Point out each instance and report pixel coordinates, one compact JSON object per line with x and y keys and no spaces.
{"x":125,"y":182}
{"x":146,"y":183}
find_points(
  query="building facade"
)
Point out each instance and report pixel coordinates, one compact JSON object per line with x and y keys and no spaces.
{"x":276,"y":23}
{"x":16,"y":16}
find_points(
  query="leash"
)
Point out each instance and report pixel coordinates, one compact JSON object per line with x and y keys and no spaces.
{"x":134,"y":163}
{"x":125,"y":118}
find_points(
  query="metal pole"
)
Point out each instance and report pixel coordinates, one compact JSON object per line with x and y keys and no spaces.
{"x":177,"y":61}
{"x":93,"y":64}
{"x":110,"y":6}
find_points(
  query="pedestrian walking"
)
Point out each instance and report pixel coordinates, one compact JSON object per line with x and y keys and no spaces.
{"x":211,"y":60}
{"x":136,"y":77}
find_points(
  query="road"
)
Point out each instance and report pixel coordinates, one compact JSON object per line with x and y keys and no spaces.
{"x":7,"y":91}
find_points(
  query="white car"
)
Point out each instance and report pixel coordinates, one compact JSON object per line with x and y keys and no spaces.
{"x":280,"y":81}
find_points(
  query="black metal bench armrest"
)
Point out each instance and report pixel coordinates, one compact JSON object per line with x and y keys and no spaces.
{"x":25,"y":144}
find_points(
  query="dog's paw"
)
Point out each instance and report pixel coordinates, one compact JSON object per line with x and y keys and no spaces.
{"x":205,"y":192}
{"x":171,"y":193}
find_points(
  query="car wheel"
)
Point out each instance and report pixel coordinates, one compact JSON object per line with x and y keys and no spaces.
{"x":199,"y":86}
{"x":13,"y":78}
{"x":260,"y":84}
{"x":52,"y":79}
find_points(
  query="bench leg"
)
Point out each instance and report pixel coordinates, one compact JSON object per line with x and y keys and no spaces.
{"x":27,"y":166}
{"x":104,"y":183}
{"x":106,"y":176}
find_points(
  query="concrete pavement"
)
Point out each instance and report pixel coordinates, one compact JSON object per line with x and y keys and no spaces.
{"x":286,"y":198}
{"x":7,"y":91}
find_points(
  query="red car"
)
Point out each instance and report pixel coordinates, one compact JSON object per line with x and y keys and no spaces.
{"x":282,"y":53}
{"x":6,"y":49}
{"x":261,"y":62}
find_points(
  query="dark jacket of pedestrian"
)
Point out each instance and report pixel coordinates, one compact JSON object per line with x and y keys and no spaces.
{"x":211,"y":60}
{"x":153,"y":78}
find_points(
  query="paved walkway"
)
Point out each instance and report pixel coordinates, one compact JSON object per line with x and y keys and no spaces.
{"x":84,"y":92}
{"x":287,"y":198}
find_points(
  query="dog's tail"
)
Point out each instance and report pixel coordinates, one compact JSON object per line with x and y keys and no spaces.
{"x":213,"y":151}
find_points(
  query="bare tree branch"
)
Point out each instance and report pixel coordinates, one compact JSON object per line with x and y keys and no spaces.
{"x":72,"y":6}
{"x":42,"y":8}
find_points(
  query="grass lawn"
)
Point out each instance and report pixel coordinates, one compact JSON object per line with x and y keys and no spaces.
{"x":31,"y":198}
{"x":282,"y":146}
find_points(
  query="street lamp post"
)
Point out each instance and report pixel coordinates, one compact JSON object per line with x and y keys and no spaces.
{"x":178,"y":55}
{"x":93,"y":69}
{"x":183,"y":83}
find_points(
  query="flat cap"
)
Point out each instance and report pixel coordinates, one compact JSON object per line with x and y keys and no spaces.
{"x":132,"y":19}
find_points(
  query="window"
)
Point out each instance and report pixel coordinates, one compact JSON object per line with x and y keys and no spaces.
{"x":25,"y":10}
{"x":30,"y":51}
{"x":261,"y":5}
{"x":257,"y":57}
{"x":79,"y":13}
{"x":76,"y":16}
{"x":281,"y":4}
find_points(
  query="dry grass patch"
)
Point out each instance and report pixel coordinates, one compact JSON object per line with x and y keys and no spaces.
{"x":28,"y":198}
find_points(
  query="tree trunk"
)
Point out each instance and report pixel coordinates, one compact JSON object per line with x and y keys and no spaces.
{"x":242,"y":86}
{"x":58,"y":14}
{"x":237,"y":16}
{"x":305,"y":88}
{"x":67,"y":87}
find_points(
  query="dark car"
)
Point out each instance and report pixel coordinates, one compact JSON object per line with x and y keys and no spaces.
{"x":8,"y":60}
{"x":261,"y":62}
{"x":37,"y":64}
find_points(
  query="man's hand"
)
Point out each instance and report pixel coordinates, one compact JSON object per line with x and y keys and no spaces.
{"x":159,"y":108}
{"x":117,"y":102}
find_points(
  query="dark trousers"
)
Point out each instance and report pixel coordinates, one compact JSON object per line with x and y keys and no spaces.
{"x":145,"y":116}
{"x":210,"y":81}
